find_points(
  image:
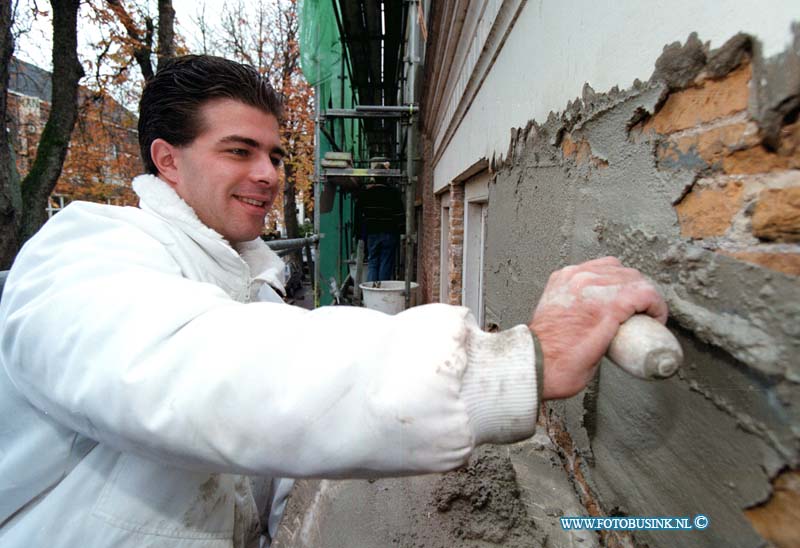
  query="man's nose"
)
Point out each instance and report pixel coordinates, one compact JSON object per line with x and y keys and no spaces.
{"x":265,"y":171}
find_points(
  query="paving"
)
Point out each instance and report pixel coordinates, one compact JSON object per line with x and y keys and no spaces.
{"x":481,"y":505}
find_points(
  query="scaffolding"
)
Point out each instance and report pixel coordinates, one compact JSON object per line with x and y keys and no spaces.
{"x":361,"y":57}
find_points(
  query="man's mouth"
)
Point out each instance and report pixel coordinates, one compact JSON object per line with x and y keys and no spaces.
{"x":251,"y":201}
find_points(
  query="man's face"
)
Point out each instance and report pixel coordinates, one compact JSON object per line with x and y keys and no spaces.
{"x":229,"y":173}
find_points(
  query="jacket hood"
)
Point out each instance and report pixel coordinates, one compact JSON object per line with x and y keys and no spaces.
{"x":158,"y":197}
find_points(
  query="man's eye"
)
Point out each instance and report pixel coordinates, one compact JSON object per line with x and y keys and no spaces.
{"x":239,"y":151}
{"x":277,"y":161}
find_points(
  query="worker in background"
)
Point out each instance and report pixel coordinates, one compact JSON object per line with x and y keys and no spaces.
{"x":380,"y":219}
{"x":154,"y":388}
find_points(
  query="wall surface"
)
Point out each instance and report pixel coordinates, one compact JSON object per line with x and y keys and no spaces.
{"x":554,"y":48}
{"x":685,"y":163}
{"x":693,"y":179}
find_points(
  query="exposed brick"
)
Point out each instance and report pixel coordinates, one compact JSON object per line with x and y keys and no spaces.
{"x":776,"y":216}
{"x":703,"y":103}
{"x":572,"y":463}
{"x":568,"y":146}
{"x":455,"y":249}
{"x":430,"y":229}
{"x":89,"y":157}
{"x":788,"y":263}
{"x":581,"y":151}
{"x":734,"y":148}
{"x":708,"y":211}
{"x":434,"y":249}
{"x":715,"y":143}
{"x":778,"y":520}
{"x":758,"y":159}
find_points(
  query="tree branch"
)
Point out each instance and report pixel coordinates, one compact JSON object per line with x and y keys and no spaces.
{"x":143,"y":46}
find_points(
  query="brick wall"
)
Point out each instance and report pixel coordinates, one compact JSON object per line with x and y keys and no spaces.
{"x":455,"y":248}
{"x":103,"y":155}
{"x":430,"y":231}
{"x":745,"y":202}
{"x":27,"y":116}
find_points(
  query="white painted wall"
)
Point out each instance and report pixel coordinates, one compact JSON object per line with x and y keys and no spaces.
{"x":555,"y":47}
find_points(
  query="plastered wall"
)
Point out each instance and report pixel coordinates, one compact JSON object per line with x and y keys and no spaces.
{"x":552,"y":48}
{"x":692,"y":176}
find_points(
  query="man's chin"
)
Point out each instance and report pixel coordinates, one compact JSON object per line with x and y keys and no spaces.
{"x":244,"y":236}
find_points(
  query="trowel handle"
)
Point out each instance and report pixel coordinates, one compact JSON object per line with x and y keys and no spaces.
{"x":645,"y":348}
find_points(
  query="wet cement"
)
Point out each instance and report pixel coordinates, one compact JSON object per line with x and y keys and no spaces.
{"x":506,"y":496}
{"x":482,"y":502}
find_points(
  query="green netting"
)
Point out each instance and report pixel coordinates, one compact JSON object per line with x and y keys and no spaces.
{"x":320,"y":47}
{"x":324,"y":68}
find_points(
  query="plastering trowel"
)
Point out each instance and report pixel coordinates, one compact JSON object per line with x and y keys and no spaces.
{"x":645,"y":348}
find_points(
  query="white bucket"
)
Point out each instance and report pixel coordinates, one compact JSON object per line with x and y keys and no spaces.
{"x":351,"y":265}
{"x":389,"y":297}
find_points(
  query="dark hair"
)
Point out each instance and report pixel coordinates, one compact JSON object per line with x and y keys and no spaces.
{"x":171,"y":100}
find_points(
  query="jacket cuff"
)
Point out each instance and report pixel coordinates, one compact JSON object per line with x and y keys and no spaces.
{"x":501,"y":384}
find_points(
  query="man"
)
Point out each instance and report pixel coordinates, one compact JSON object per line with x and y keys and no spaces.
{"x":149,"y":367}
{"x":380,"y":219}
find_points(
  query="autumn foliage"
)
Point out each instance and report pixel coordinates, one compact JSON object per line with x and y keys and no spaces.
{"x":265,"y":35}
{"x":103,"y":155}
{"x":127,"y":44}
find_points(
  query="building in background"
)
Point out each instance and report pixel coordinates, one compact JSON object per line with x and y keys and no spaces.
{"x":103,"y":154}
{"x":666,"y":135}
{"x":551,"y":133}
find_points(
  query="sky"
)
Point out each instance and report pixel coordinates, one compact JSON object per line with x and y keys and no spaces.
{"x":35,"y":45}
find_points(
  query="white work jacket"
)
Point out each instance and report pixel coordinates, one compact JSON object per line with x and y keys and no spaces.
{"x":143,"y":381}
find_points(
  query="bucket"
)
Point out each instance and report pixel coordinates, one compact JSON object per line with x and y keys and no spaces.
{"x":389,"y":297}
{"x":351,"y":265}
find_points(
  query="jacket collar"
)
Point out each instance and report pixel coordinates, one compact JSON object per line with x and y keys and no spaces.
{"x":158,"y":197}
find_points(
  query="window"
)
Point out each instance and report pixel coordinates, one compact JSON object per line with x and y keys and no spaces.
{"x":476,"y":195}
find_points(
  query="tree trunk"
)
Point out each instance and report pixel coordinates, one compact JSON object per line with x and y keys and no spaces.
{"x":54,"y":142}
{"x":166,"y":30}
{"x":144,"y":41}
{"x":290,"y":217}
{"x":144,"y":44}
{"x":10,"y":197}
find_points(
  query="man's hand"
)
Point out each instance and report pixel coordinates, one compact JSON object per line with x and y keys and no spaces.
{"x":579,"y":313}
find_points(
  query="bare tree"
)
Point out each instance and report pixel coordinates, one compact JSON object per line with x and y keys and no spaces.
{"x":21,"y":219}
{"x":67,"y":71}
{"x":142,"y":38}
{"x":284,"y":36}
{"x":166,"y":30}
{"x":10,"y":196}
{"x":23,"y":205}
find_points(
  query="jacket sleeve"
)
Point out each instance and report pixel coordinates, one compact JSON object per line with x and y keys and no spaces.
{"x":108,"y":338}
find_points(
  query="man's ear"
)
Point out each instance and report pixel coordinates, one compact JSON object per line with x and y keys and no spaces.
{"x":164,"y":156}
